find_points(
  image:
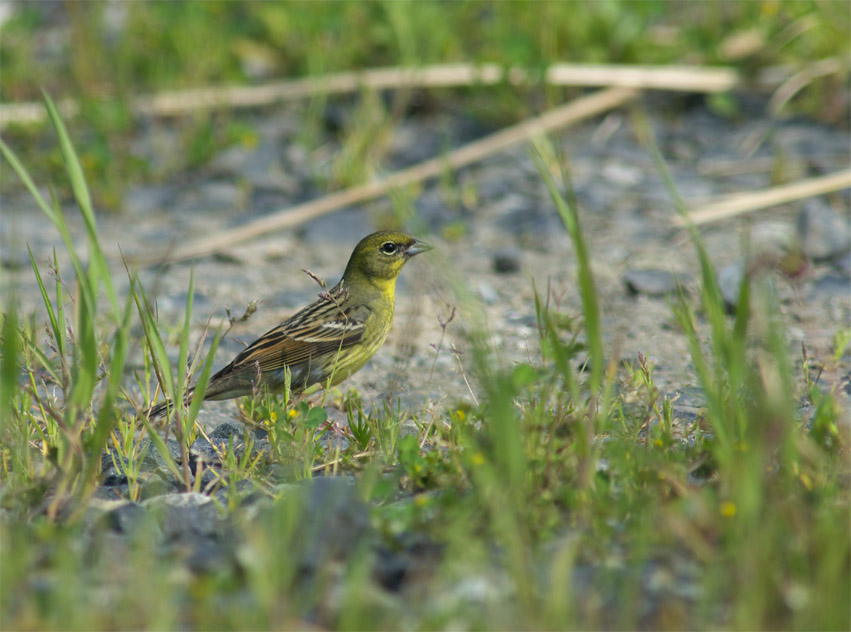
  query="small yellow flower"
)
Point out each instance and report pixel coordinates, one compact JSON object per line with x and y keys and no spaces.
{"x":728,"y":509}
{"x":273,"y":416}
{"x":249,"y":140}
{"x":293,"y":413}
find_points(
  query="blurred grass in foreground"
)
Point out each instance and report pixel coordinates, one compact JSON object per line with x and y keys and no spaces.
{"x":559,"y":502}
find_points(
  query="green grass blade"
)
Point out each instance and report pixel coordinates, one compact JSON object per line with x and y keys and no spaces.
{"x":45,"y":363}
{"x":587,"y":288}
{"x":162,"y":448}
{"x":97,"y":261}
{"x":58,"y":332}
{"x":9,"y":362}
{"x":154,"y":343}
{"x":106,"y":417}
{"x":60,"y":307}
{"x":183,"y":353}
{"x":204,"y":378}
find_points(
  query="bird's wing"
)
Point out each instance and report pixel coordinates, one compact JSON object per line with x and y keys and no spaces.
{"x":320,"y":328}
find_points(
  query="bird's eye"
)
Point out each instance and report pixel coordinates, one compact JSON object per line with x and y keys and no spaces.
{"x":388,"y":247}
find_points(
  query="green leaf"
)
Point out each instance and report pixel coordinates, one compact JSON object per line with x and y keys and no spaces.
{"x":316,"y":416}
{"x":9,"y":369}
{"x":523,"y":375}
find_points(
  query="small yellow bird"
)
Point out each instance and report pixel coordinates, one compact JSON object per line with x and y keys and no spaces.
{"x":331,"y":338}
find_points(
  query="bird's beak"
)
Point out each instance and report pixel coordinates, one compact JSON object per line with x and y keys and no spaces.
{"x":416,"y":248}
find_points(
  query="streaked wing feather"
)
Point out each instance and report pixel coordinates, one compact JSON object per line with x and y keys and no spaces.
{"x":320,"y":328}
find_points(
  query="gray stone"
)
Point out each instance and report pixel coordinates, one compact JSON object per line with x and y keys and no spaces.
{"x":506,"y":261}
{"x":330,"y":519}
{"x":824,"y":232}
{"x":218,"y":443}
{"x":729,"y":281}
{"x":153,"y":459}
{"x":843,"y":264}
{"x":129,"y":517}
{"x":15,"y":257}
{"x":183,"y":514}
{"x":832,"y":285}
{"x":650,"y":282}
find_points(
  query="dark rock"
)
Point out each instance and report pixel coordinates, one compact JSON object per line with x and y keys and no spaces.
{"x":242,"y":491}
{"x":153,"y":459}
{"x":843,"y":264}
{"x":210,"y":477}
{"x":331,"y":440}
{"x":506,"y":261}
{"x":207,"y":555}
{"x":128,"y":518}
{"x":113,"y":478}
{"x":227,"y":430}
{"x":329,"y":520}
{"x":413,"y":556}
{"x":158,"y":484}
{"x":824,"y":232}
{"x":729,"y":282}
{"x":182,"y":514}
{"x":14,"y":257}
{"x":650,"y":282}
{"x":117,"y":492}
{"x":220,"y":438}
{"x":832,"y":285}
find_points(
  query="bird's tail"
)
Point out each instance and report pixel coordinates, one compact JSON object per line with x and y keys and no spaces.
{"x":161,"y":409}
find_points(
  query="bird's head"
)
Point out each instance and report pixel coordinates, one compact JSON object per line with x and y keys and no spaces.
{"x":379,"y":257}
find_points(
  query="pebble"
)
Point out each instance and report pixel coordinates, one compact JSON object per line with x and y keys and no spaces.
{"x":506,"y":261}
{"x":128,"y":518}
{"x":330,"y":519}
{"x":650,"y":282}
{"x":181,"y":514}
{"x":14,"y":257}
{"x":824,"y":233}
{"x":218,"y":443}
{"x":832,"y":285}
{"x":729,"y":282}
{"x":843,"y":264}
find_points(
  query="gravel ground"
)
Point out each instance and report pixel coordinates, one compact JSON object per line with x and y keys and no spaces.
{"x":502,"y":236}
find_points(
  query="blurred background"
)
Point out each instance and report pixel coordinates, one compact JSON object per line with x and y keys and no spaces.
{"x":105,"y":53}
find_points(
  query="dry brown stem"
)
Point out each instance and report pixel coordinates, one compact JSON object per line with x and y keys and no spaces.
{"x":573,"y":112}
